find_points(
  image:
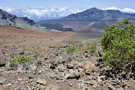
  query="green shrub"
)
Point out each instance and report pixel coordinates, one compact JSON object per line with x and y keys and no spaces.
{"x":19,"y":60}
{"x":118,"y":44}
{"x":72,"y":48}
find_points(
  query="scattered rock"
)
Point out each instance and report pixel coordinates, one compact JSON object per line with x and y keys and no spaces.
{"x":92,"y":82}
{"x":60,"y":68}
{"x":41,"y":81}
{"x":131,"y":84}
{"x":21,"y":53}
{"x":70,"y":66}
{"x":73,"y":75}
{"x":52,"y":66}
{"x":88,"y":66}
{"x":2,"y":80}
{"x":122,"y":89}
{"x":2,"y":62}
{"x":52,"y":87}
{"x":33,"y":67}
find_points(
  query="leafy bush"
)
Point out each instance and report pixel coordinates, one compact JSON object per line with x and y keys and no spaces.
{"x":118,"y":44}
{"x":19,"y":60}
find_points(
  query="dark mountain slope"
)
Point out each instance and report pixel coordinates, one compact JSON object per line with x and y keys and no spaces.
{"x":95,"y":14}
{"x":90,"y":20}
{"x":7,"y":19}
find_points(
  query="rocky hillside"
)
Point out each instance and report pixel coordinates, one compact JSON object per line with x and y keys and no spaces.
{"x":95,"y":14}
{"x":34,"y":60}
{"x":91,"y":20}
{"x":7,"y":19}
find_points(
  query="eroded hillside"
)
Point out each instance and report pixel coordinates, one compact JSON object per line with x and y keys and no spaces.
{"x":33,"y":60}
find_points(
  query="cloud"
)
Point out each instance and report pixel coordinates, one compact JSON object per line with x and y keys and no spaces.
{"x":36,"y":12}
{"x":53,"y":13}
{"x":49,"y":11}
{"x":128,"y":10}
{"x":42,"y":13}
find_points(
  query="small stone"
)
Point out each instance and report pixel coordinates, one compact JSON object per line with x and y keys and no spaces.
{"x":20,"y":67}
{"x":52,"y":66}
{"x":33,"y":67}
{"x":111,"y":87}
{"x":73,"y":75}
{"x":92,"y":82}
{"x":121,"y":89}
{"x":52,"y":87}
{"x":21,"y":53}
{"x":70,"y":66}
{"x":46,"y":58}
{"x":2,"y":62}
{"x":41,"y":81}
{"x":61,"y":68}
{"x":88,"y":66}
{"x":28,"y":88}
{"x":130,"y":83}
{"x":2,"y":80}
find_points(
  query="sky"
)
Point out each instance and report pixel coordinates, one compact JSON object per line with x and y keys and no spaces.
{"x":80,"y":4}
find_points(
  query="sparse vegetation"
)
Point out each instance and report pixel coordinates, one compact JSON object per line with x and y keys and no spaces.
{"x":72,"y":48}
{"x":84,"y":47}
{"x":89,"y":47}
{"x":19,"y":60}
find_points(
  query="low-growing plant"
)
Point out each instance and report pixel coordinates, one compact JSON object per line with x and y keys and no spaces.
{"x":71,"y":48}
{"x":84,"y":47}
{"x":93,"y":48}
{"x":19,"y":60}
{"x":89,"y":47}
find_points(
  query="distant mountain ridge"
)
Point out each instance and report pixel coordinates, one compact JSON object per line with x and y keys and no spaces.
{"x":95,"y":14}
{"x":7,"y":19}
{"x":91,"y":20}
{"x":38,"y":14}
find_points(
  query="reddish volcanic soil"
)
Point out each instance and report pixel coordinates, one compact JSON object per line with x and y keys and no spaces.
{"x":4,"y":29}
{"x":19,"y":35}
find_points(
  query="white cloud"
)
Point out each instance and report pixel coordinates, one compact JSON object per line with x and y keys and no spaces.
{"x":36,"y":12}
{"x":128,"y":10}
{"x":9,"y":10}
{"x":53,"y":13}
{"x":111,"y":8}
{"x":42,"y":13}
